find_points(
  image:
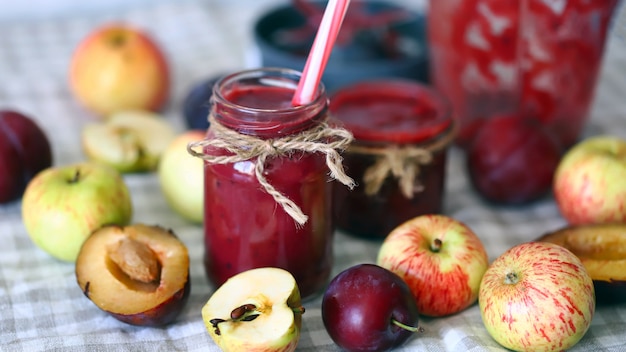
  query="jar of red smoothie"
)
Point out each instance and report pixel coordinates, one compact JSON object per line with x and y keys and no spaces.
{"x":402,"y":132}
{"x":535,"y":58}
{"x":267,"y":191}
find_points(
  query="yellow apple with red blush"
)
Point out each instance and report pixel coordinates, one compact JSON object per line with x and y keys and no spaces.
{"x":589,"y":183}
{"x":119,"y":67}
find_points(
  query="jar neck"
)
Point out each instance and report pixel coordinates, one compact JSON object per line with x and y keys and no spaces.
{"x":258,"y":103}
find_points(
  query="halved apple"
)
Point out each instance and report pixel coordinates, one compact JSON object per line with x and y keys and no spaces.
{"x":602,"y":249}
{"x":256,"y":310}
{"x":130,"y":141}
{"x":139,"y":273}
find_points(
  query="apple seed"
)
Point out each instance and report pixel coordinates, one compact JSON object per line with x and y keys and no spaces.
{"x":239,"y":312}
{"x":246,"y":312}
{"x":136,"y":260}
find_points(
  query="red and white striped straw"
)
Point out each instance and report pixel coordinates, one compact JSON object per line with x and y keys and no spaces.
{"x":320,"y":51}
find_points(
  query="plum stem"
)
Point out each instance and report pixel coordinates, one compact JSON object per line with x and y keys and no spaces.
{"x":511,"y":278}
{"x":407,"y":327}
{"x":436,"y":245}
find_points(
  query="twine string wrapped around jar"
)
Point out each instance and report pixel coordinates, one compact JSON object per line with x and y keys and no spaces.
{"x":400,"y":161}
{"x":322,"y":138}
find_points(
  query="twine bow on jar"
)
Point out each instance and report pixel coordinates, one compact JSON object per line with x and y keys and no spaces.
{"x":403,"y":163}
{"x":400,"y":161}
{"x":321,"y":138}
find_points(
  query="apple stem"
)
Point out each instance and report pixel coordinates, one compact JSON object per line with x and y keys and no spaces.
{"x":511,"y":278}
{"x":407,"y":327}
{"x":76,"y":176}
{"x":298,"y":310}
{"x":118,"y":40}
{"x":436,"y":245}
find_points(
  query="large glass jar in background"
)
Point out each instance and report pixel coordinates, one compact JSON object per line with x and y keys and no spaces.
{"x":402,"y":132}
{"x":535,"y":58}
{"x":244,"y":225}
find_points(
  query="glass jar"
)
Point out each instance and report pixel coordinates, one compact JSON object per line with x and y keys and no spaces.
{"x":250,"y":198}
{"x":535,"y":58}
{"x":402,"y":132}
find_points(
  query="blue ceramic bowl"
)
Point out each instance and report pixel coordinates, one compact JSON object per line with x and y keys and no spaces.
{"x":359,"y":60}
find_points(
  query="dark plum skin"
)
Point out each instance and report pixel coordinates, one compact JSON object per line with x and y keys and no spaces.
{"x":24,"y":151}
{"x":360,"y":304}
{"x":512,"y":160}
{"x":197,"y":104}
{"x":161,"y":315}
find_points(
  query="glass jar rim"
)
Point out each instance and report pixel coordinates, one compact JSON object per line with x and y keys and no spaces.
{"x":265,"y":121}
{"x":405,"y":91}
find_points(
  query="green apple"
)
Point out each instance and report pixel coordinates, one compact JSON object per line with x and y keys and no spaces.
{"x":255,"y":310}
{"x":589,"y":183}
{"x":63,"y":205}
{"x":129,"y":141}
{"x":181,"y":177}
{"x":537,"y":296}
{"x":441,"y":259}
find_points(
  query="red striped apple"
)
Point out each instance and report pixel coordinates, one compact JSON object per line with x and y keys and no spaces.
{"x":590,"y":181}
{"x":119,"y":67}
{"x":537,"y":296}
{"x":441,"y":260}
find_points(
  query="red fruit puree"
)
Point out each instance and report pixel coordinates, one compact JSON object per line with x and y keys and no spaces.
{"x":386,"y":117}
{"x":536,"y":58}
{"x":244,"y":226}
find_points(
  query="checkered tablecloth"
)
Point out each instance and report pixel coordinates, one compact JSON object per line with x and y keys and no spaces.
{"x":41,"y":306}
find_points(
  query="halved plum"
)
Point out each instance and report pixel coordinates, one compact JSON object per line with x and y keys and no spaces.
{"x":602,"y":249}
{"x":139,"y":273}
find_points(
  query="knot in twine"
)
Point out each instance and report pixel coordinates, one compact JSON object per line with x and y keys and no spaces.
{"x":402,"y":162}
{"x":322,"y":138}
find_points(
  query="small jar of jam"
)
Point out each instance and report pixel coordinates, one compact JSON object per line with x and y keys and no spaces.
{"x":402,"y":132}
{"x":267,"y":191}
